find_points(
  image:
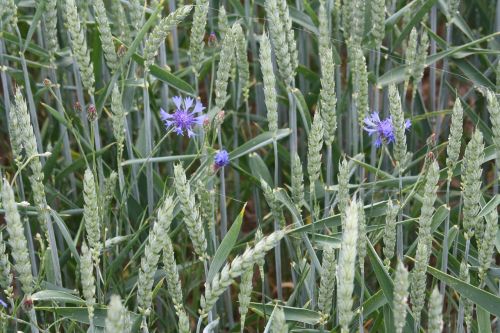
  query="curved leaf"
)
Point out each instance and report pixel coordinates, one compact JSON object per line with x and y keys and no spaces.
{"x":258,"y":142}
{"x":226,"y":246}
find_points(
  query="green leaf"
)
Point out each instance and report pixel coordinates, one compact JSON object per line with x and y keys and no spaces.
{"x":373,"y":303}
{"x":492,"y":204}
{"x":258,"y":142}
{"x":283,"y":197}
{"x":416,"y":18}
{"x":81,"y":315}
{"x":397,"y":74}
{"x":386,"y":282}
{"x":291,"y":314}
{"x":80,"y":163}
{"x":473,"y":74}
{"x":40,"y":7}
{"x":66,"y":235}
{"x":57,"y":296}
{"x":375,"y":210}
{"x":259,"y":169}
{"x":483,"y":320}
{"x":226,"y":246}
{"x":172,"y":158}
{"x":60,"y":118}
{"x":166,"y":76}
{"x":32,"y":47}
{"x":437,"y":219}
{"x":392,"y":20}
{"x":483,"y":298}
{"x":303,"y":109}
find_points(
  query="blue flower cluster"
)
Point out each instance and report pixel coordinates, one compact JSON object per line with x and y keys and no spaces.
{"x":382,"y":128}
{"x":221,"y":159}
{"x":186,"y":116}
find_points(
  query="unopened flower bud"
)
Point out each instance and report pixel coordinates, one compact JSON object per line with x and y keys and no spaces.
{"x":27,"y":303}
{"x":206,"y":124}
{"x":91,"y":113}
{"x":77,"y":106}
{"x":219,"y":118}
{"x":212,"y":40}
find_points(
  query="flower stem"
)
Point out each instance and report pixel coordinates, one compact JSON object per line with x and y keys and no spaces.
{"x":399,"y":230}
{"x":148,"y":129}
{"x":444,"y":260}
{"x":329,"y":176}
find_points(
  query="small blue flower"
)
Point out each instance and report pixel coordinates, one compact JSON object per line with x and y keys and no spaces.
{"x":185,"y":117}
{"x":221,"y":159}
{"x":382,"y":128}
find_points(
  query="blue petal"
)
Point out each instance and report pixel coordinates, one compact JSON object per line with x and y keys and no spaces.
{"x":407,"y":123}
{"x":198,"y":107}
{"x":177,"y":101}
{"x":188,"y":102}
{"x":375,"y":117}
{"x":164,"y":115}
{"x":3,"y":303}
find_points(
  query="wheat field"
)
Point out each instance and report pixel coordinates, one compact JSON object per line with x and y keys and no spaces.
{"x":249,"y":166}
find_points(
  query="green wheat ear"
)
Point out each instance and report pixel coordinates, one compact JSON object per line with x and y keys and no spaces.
{"x":160,"y":32}
{"x":17,"y":240}
{"x":105,"y":34}
{"x":455,"y":137}
{"x":149,"y":262}
{"x":327,"y":282}
{"x":79,"y":46}
{"x":117,"y":318}
{"x":378,"y":22}
{"x":424,"y":244}
{"x":50,"y":19}
{"x":435,"y":312}
{"x":328,"y":98}
{"x":398,"y":121}
{"x":314,"y":147}
{"x":191,"y":211}
{"x":389,"y":237}
{"x":297,"y":183}
{"x":91,"y":214}
{"x":239,"y":265}
{"x":196,"y":41}
{"x":401,"y":284}
{"x":223,"y":72}
{"x":88,"y":281}
{"x":346,"y":265}
{"x":471,"y":182}
{"x":242,"y":61}
{"x":278,"y":324}
{"x":244,"y":295}
{"x":269,"y":80}
{"x":281,"y":38}
{"x":6,"y":276}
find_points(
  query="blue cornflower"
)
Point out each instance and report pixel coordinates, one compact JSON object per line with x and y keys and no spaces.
{"x":3,"y":303}
{"x":221,"y":159}
{"x":185,"y":117}
{"x":382,"y":128}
